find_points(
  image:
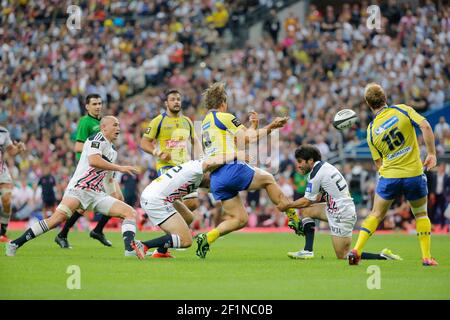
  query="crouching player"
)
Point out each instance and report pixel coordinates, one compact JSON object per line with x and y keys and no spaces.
{"x":339,"y":210}
{"x":162,"y":202}
{"x":86,"y":189}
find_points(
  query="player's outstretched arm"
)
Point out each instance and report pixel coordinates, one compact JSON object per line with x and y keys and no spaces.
{"x":96,"y":161}
{"x":428,"y":138}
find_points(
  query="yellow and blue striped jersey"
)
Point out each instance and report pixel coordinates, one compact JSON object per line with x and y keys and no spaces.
{"x":173,"y":135}
{"x":391,"y":136}
{"x":218,"y":133}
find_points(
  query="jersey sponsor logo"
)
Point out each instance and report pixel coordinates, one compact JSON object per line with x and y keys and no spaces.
{"x":399,"y":153}
{"x":386,"y":125}
{"x":95,"y":144}
{"x":206,"y":125}
{"x":309,"y":187}
{"x":176,"y":144}
{"x":236,"y":122}
{"x":147,"y":131}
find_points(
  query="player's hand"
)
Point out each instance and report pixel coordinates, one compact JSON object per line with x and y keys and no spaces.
{"x":254,"y":120}
{"x":279,"y":122}
{"x":20,"y":146}
{"x":430,"y":162}
{"x":165,"y":156}
{"x":129,"y":169}
{"x":243,"y":156}
{"x":283,"y":206}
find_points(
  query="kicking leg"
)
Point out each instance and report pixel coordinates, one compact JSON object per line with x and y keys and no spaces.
{"x":235,"y":218}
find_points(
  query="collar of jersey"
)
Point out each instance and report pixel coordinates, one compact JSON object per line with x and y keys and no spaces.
{"x":93,"y":117}
{"x":384,"y":108}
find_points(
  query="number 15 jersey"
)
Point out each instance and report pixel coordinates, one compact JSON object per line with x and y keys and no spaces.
{"x":391,"y":136}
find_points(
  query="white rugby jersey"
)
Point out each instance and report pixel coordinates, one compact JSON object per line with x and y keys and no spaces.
{"x":176,"y":182}
{"x":326,"y":179}
{"x":87,"y":177}
{"x":5,"y":142}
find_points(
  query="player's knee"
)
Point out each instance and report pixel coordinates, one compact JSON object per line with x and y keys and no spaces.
{"x":130,"y":214}
{"x":6,"y":201}
{"x":242,"y":220}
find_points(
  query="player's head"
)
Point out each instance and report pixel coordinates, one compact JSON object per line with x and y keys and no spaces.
{"x":94,"y":105}
{"x":215,"y":97}
{"x":110,"y":127}
{"x":173,"y":100}
{"x":306,"y":156}
{"x":374,"y":96}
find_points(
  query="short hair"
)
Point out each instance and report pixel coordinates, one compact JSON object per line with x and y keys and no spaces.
{"x":169,"y":92}
{"x":215,"y":95}
{"x":92,"y":96}
{"x":307,"y":152}
{"x":374,"y":96}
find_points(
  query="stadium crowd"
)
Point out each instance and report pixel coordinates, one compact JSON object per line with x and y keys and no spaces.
{"x":130,"y":52}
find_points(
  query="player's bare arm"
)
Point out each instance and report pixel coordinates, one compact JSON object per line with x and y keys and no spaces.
{"x":428,"y":138}
{"x":299,"y":203}
{"x":98,"y":162}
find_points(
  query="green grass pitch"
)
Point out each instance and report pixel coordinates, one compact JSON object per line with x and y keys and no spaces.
{"x":239,"y":266}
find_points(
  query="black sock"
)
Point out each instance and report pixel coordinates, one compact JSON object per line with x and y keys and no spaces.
{"x":3,"y":228}
{"x":69,"y":224}
{"x":101,"y":224}
{"x":161,"y":242}
{"x":28,"y":235}
{"x":36,"y":229}
{"x":308,"y":227}
{"x":128,"y":236}
{"x":162,"y":250}
{"x":372,"y":256}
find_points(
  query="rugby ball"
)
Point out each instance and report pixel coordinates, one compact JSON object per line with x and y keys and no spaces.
{"x":344,"y":119}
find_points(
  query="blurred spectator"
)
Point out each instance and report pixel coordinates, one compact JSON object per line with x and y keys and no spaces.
{"x":440,"y":190}
{"x":272,"y":26}
{"x":441,"y":127}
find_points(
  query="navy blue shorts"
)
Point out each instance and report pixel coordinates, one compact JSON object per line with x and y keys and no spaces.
{"x":413,"y":188}
{"x":228,"y":180}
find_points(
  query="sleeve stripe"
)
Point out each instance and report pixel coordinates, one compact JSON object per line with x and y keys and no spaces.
{"x":218,"y":123}
{"x":415,"y":124}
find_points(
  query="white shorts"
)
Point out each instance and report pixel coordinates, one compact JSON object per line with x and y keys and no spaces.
{"x":91,"y":200}
{"x":5,"y":177}
{"x":157,"y":210}
{"x":342,"y":224}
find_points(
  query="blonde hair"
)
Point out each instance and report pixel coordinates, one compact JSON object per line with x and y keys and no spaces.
{"x":374,"y":96}
{"x":215,"y":95}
